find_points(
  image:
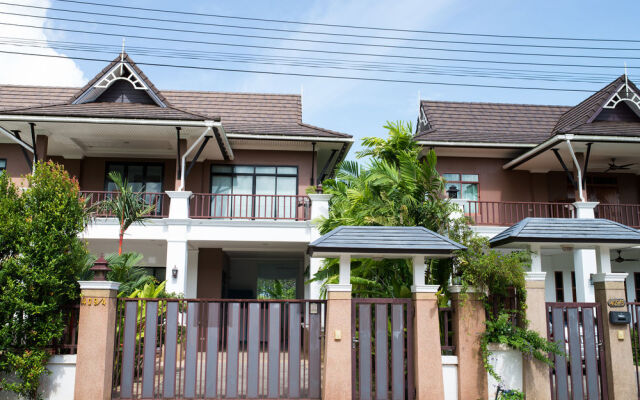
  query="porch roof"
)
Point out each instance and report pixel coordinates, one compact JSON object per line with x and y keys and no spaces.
{"x":563,"y":231}
{"x":395,"y":241}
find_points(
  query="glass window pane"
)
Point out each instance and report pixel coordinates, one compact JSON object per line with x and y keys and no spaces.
{"x":265,"y":185}
{"x":451,"y":177}
{"x":286,"y":186}
{"x":154,"y":173}
{"x":221,"y":184}
{"x":469,"y":191}
{"x":242,"y":169}
{"x":287,"y":205}
{"x":265,"y":170}
{"x":153,"y":187}
{"x":3,"y":165}
{"x":469,"y":178}
{"x":242,"y":205}
{"x":287,"y":170}
{"x":220,"y":204}
{"x":221,"y":168}
{"x":116,"y":167}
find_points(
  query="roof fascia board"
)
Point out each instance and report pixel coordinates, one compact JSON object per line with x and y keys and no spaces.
{"x":123,"y":121}
{"x":561,"y":138}
{"x":475,"y":144}
{"x":22,"y":143}
{"x":355,"y":253}
{"x":279,"y":137}
{"x":555,"y":243}
{"x":601,"y":107}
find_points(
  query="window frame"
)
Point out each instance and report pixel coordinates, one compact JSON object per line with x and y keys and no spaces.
{"x":559,"y":285}
{"x":127,"y":164}
{"x":254,"y":174}
{"x":461,"y":182}
{"x":5,"y":164}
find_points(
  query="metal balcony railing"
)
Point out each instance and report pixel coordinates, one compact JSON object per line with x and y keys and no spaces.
{"x":249,"y":206}
{"x":161,"y":201}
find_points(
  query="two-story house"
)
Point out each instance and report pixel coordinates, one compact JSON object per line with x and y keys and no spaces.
{"x":228,"y":173}
{"x":507,"y":162}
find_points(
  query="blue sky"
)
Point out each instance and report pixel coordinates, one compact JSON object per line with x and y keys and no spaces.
{"x":355,"y":107}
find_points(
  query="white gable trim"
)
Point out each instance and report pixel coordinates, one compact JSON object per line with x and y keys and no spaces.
{"x":624,"y":93}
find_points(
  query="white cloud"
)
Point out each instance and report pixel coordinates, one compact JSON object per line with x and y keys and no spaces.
{"x":31,"y":70}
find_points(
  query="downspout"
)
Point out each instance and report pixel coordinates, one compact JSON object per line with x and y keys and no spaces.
{"x":575,"y":162}
{"x":189,"y":150}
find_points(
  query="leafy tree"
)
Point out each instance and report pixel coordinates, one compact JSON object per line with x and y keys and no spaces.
{"x":40,"y":254}
{"x":128,"y":206}
{"x":124,"y":269}
{"x":276,"y":289}
{"x":396,"y":187}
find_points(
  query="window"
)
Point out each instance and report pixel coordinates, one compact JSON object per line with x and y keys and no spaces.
{"x":559,"y":286}
{"x":142,"y":177}
{"x":636,"y":281}
{"x":462,"y":186}
{"x":254,"y":191}
{"x":3,"y":164}
{"x":573,"y":286}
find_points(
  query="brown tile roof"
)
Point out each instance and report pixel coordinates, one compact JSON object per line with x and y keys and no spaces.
{"x":607,"y":128}
{"x":249,"y":113}
{"x":487,"y":122}
{"x":110,"y":110}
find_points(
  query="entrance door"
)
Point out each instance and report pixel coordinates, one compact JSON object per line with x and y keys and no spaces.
{"x":577,"y":329}
{"x":382,"y":351}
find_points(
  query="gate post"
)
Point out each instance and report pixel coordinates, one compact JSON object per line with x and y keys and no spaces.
{"x":535,"y":373}
{"x":621,"y":379}
{"x":337,"y":358}
{"x":426,"y":341}
{"x":468,"y":325}
{"x":96,"y":337}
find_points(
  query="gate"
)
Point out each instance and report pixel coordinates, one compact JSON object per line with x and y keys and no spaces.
{"x":377,"y":326}
{"x":173,"y":348}
{"x":634,"y":328}
{"x":581,"y":373}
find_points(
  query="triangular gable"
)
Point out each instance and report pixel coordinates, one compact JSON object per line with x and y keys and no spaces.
{"x":607,"y":98}
{"x":122,"y":68}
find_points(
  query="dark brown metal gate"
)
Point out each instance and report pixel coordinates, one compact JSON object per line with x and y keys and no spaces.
{"x":577,"y":328}
{"x":171,"y":348}
{"x":382,"y":351}
{"x":634,"y":328}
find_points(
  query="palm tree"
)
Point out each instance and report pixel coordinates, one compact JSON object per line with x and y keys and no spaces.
{"x":128,"y":206}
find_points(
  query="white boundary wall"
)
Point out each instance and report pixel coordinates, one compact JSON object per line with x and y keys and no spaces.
{"x":59,"y":385}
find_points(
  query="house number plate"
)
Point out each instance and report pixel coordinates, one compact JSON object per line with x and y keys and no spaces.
{"x":93,"y":301}
{"x":616,"y":303}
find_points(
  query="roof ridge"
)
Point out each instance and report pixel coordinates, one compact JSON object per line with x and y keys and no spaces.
{"x":494,"y":103}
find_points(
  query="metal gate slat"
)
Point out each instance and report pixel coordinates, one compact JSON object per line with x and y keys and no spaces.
{"x":273,"y":382}
{"x":397,"y":352}
{"x":190,"y":363}
{"x":233,"y":333}
{"x":315,"y":347}
{"x":128,"y":349}
{"x":575,"y":354}
{"x":149,"y":359}
{"x":382,"y":353}
{"x":253,"y":350}
{"x":364,"y":344}
{"x":170,"y":352}
{"x":560,"y":362}
{"x":294,"y":350}
{"x":590,"y":353}
{"x":213,"y":335}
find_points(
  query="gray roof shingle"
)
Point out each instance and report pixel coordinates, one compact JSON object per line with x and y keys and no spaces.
{"x":383,"y":239}
{"x":566,"y":230}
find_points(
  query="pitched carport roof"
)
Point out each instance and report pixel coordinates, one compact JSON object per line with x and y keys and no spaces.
{"x":400,"y":240}
{"x":566,"y":231}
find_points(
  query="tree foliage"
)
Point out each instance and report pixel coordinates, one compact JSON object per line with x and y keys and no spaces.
{"x":40,"y":254}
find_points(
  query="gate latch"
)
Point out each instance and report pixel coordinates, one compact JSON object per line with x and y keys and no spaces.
{"x":354,"y":340}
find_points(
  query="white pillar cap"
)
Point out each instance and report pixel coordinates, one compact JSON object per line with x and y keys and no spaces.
{"x":100,"y":285}
{"x":338,"y":288}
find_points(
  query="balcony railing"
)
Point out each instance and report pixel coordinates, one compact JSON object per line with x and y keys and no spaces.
{"x":161,"y":201}
{"x":249,"y":206}
{"x":505,"y":213}
{"x":626,"y":214}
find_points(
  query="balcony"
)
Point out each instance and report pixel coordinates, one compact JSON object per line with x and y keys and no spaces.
{"x":161,"y":200}
{"x":507,"y":213}
{"x":249,"y":207}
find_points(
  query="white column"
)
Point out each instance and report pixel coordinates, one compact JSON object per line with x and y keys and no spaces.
{"x":536,"y":258}
{"x":345,"y":269}
{"x":192,"y":274}
{"x":319,"y":205}
{"x":604,"y":259}
{"x":585,"y":209}
{"x":179,"y":204}
{"x":314,"y":287}
{"x":176,"y":259}
{"x":585,"y":264}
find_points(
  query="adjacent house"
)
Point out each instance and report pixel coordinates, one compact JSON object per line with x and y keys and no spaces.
{"x":228,"y":172}
{"x":507,"y":162}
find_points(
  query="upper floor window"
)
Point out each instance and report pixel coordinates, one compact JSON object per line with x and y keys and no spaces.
{"x":3,"y":164}
{"x":559,"y":281}
{"x":142,"y":177}
{"x":462,"y":186}
{"x":254,"y":191}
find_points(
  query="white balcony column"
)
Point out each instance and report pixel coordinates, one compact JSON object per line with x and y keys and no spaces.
{"x":345,"y":269}
{"x":585,"y":209}
{"x":536,"y":257}
{"x":319,"y":205}
{"x":315,"y":264}
{"x":585,"y":264}
{"x":179,"y":204}
{"x":177,"y":256}
{"x":604,"y":259}
{"x":192,"y":274}
{"x":419,"y":269}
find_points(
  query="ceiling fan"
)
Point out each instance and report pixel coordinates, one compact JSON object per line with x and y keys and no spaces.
{"x":614,"y":167}
{"x":620,"y":259}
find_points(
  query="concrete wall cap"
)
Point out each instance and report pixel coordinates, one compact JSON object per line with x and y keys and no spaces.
{"x":100,"y":285}
{"x":449,"y":360}
{"x":586,"y":204}
{"x":63,"y":359}
{"x":319,"y":196}
{"x":611,"y":277}
{"x":174,"y":194}
{"x":338,"y":288}
{"x":535,"y":276}
{"x":499,"y":347}
{"x":424,"y":288}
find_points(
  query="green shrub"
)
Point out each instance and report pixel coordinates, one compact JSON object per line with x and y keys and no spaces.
{"x":40,"y":255}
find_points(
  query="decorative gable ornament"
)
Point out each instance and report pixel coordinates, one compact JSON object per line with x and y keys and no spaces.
{"x":627,"y":94}
{"x":121,"y":69}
